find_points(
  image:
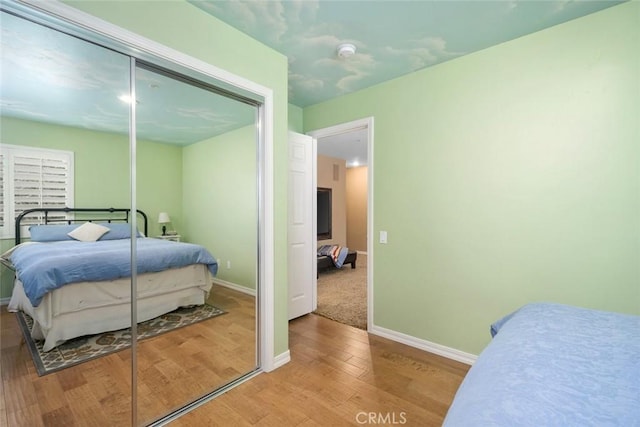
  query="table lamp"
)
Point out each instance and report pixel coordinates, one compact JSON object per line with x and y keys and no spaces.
{"x":163,"y":218}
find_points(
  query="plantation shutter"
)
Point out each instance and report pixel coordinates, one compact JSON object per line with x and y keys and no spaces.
{"x":36,"y":178}
{"x":39,"y":182}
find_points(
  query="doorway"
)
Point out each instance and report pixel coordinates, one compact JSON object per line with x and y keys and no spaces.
{"x":344,"y":162}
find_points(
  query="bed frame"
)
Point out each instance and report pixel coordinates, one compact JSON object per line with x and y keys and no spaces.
{"x":83,"y":215}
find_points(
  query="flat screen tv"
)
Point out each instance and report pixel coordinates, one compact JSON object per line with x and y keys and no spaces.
{"x":324,"y":213}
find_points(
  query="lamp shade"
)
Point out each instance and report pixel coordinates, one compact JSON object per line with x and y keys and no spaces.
{"x":163,"y":218}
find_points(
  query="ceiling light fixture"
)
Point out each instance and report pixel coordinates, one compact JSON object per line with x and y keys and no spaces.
{"x":345,"y":50}
{"x":127,"y":99}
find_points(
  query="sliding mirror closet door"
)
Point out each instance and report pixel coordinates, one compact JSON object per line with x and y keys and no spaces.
{"x":197,"y":181}
{"x":64,"y":142}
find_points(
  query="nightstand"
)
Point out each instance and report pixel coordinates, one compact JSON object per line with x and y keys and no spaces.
{"x":172,"y":237}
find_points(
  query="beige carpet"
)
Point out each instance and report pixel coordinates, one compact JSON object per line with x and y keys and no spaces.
{"x":342,"y":294}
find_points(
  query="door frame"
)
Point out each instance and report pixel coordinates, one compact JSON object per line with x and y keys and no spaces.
{"x":365,"y":123}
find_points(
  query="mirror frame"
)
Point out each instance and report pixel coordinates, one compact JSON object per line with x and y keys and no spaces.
{"x":91,"y":28}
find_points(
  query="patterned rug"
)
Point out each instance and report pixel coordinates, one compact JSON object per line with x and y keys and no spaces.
{"x":89,"y":347}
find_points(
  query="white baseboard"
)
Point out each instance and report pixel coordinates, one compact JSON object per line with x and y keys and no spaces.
{"x":235,"y":287}
{"x":5,"y":301}
{"x":361,"y":252}
{"x":440,"y":350}
{"x":281,"y":359}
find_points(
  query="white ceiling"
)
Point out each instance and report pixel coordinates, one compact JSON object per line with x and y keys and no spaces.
{"x":350,"y":146}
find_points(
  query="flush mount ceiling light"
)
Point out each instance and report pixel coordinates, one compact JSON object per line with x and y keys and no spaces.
{"x":126,"y":99}
{"x":346,"y":50}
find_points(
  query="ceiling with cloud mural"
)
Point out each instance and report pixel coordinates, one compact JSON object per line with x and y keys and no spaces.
{"x":392,"y":38}
{"x":51,"y":77}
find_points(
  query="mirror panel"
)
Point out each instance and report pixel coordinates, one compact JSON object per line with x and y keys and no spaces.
{"x":61,"y":93}
{"x":197,"y":163}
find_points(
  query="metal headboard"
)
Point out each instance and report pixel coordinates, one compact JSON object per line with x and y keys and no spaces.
{"x":101,"y":215}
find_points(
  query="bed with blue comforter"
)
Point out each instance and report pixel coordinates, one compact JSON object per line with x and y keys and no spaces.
{"x":73,"y":288}
{"x":554,"y":365}
{"x":44,"y":266}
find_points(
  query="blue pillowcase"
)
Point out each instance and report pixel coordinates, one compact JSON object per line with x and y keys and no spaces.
{"x":118,"y":231}
{"x":51,"y":233}
{"x":58,"y":232}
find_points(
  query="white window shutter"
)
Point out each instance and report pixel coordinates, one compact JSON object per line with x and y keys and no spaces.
{"x":40,"y":182}
{"x":35,"y":178}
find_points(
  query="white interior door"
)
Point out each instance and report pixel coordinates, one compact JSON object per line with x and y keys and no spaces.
{"x":301,"y":202}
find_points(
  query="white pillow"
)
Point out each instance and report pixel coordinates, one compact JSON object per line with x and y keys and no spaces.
{"x":88,"y":232}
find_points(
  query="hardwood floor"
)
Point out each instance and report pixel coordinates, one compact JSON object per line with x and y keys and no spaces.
{"x":338,"y":375}
{"x":173,"y":369}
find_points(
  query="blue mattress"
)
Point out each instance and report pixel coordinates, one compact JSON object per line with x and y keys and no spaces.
{"x":554,"y":365}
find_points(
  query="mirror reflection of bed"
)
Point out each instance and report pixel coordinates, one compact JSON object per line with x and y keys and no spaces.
{"x":192,"y":142}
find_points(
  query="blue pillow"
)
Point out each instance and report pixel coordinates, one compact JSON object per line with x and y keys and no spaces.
{"x":51,"y":233}
{"x":58,"y":232}
{"x":117,"y":231}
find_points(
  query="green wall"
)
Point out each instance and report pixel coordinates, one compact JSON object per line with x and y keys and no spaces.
{"x":295,"y":118}
{"x":184,"y":27}
{"x":220,"y":196}
{"x":507,"y":176}
{"x":101,"y":159}
{"x":159,"y":179}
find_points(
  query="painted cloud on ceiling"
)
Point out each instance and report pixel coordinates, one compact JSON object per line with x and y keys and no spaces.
{"x":52,"y":77}
{"x":393,"y":38}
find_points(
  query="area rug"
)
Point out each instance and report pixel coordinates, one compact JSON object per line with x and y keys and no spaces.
{"x":82,"y":349}
{"x":342,"y":294}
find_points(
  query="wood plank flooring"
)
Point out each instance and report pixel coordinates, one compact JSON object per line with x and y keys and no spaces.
{"x":173,"y":369}
{"x":338,"y":375}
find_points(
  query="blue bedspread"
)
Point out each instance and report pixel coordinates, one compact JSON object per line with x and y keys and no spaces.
{"x":43,"y":267}
{"x":554,"y":365}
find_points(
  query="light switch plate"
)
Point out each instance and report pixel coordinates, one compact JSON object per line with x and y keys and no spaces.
{"x":383,"y":237}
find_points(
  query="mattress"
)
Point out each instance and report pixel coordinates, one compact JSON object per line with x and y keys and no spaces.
{"x":93,"y":307}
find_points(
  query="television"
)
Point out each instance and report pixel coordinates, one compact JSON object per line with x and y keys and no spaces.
{"x":324,"y":213}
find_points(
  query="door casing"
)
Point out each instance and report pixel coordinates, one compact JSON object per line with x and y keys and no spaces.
{"x":365,"y":123}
